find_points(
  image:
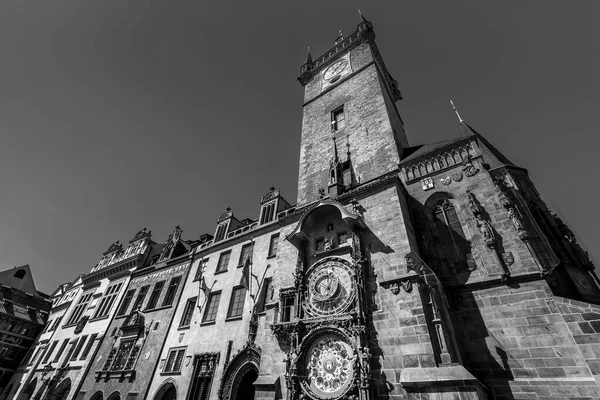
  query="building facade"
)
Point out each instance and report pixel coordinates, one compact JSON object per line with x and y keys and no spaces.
{"x":23,"y":314}
{"x":401,"y":272}
{"x":127,"y":358}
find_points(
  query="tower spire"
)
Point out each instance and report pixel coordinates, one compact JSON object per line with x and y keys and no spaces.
{"x":465,"y":129}
{"x":336,"y":158}
{"x":456,"y":111}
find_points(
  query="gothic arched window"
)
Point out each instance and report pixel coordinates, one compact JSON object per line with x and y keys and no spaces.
{"x":452,"y":241}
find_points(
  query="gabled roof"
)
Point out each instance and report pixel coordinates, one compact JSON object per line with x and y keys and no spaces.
{"x":19,"y":278}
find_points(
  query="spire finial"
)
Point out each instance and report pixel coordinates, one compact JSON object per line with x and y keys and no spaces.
{"x":348,"y":145}
{"x":335,"y":151}
{"x":361,"y":16}
{"x":456,"y":111}
{"x":341,"y":33}
{"x":308,"y":57}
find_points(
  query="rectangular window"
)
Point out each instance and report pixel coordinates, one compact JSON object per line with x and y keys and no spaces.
{"x":236,"y":305}
{"x":60,"y":350}
{"x":70,"y":352}
{"x":47,"y":326}
{"x":158,"y":286}
{"x":106,"y":303}
{"x":188,"y":312}
{"x":174,"y":360}
{"x":126,"y":301}
{"x":49,"y":352}
{"x":213,"y":305}
{"x":56,"y":323}
{"x":171,"y":291}
{"x":78,"y":348}
{"x":79,"y":309}
{"x":223,"y":261}
{"x":140,"y":297}
{"x":28,"y":356}
{"x":338,"y":120}
{"x":201,"y":269}
{"x":287,"y":309}
{"x":246,"y":253}
{"x":88,"y":347}
{"x":273,"y":244}
{"x":204,"y":369}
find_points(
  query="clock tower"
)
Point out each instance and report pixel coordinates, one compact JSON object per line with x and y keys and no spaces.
{"x":349,"y":99}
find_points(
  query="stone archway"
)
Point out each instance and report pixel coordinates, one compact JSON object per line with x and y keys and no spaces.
{"x":168,"y":391}
{"x":243,"y":384}
{"x":29,"y":390}
{"x":240,"y":374}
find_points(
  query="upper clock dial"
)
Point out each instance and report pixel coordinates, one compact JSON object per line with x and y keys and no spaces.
{"x":335,"y":69}
{"x":331,"y":288}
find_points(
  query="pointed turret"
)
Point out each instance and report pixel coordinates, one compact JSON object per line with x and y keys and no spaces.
{"x":308,"y":57}
{"x":336,"y":173}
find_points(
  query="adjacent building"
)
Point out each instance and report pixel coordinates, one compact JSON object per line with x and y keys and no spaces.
{"x":23,"y":314}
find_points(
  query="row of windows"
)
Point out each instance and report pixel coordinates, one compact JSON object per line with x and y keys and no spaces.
{"x":202,"y":376}
{"x":245,"y":254}
{"x":154,"y":296}
{"x":236,"y":304}
{"x":74,"y":350}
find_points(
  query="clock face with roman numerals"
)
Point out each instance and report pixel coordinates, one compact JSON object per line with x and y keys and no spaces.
{"x":331,"y":287}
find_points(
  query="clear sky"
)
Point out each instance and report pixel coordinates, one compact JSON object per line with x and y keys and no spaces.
{"x":117,"y":115}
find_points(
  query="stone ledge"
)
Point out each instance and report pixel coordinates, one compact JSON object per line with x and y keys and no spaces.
{"x":437,"y":376}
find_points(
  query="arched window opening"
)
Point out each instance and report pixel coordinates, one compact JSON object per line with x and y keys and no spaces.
{"x":451,"y":237}
{"x":20,"y":274}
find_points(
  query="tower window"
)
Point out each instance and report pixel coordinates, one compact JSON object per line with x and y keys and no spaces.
{"x":338,"y":120}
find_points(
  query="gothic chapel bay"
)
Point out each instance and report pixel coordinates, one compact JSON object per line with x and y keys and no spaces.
{"x":402,"y":271}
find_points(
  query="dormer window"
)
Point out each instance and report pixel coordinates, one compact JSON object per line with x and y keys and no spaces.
{"x":267,"y":212}
{"x":338,"y":119}
{"x":221,"y":231}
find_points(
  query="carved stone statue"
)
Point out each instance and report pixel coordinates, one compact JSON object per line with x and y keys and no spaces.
{"x":293,"y":359}
{"x":516,"y":220}
{"x":486,"y":230}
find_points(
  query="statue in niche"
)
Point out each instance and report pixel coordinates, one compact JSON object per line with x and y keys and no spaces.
{"x":516,"y":220}
{"x":486,"y":230}
{"x":293,"y":360}
{"x":329,"y":237}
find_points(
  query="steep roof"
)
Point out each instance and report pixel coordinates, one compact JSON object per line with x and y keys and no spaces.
{"x":19,"y":278}
{"x":414,"y":152}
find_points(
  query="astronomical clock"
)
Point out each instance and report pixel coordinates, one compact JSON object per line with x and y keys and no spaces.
{"x":328,"y":355}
